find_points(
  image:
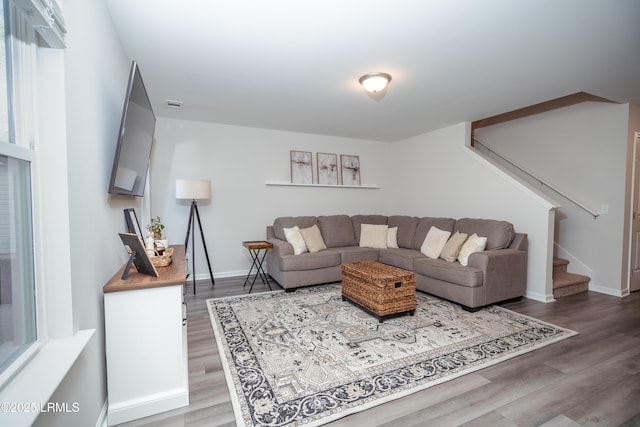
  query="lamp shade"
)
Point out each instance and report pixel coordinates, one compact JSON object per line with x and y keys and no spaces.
{"x":193,"y":189}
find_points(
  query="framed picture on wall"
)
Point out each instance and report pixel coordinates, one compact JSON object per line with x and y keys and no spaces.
{"x":327,"y":168}
{"x":301,"y":167}
{"x":350,"y":169}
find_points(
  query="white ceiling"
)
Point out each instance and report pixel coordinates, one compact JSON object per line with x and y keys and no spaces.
{"x":294,"y":64}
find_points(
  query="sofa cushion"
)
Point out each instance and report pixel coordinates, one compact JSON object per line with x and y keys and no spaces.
{"x":309,"y":261}
{"x":356,"y":253}
{"x":401,"y":257}
{"x":313,"y":238}
{"x":499,"y":234}
{"x":291,"y":221}
{"x":473,"y":244}
{"x":452,"y":248}
{"x":425,"y":224}
{"x":337,"y":231}
{"x":294,"y":237}
{"x":406,"y":228}
{"x":434,"y":242}
{"x":448,"y":271}
{"x":358,"y":220}
{"x":373,"y":236}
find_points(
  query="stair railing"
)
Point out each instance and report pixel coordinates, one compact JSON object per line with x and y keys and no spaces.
{"x":542,"y":182}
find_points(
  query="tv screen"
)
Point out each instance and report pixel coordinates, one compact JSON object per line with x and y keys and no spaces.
{"x":135,"y":138}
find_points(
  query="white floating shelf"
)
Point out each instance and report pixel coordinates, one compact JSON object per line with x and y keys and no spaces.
{"x":289,"y":184}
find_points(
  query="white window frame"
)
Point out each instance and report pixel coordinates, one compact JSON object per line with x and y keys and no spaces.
{"x":46,"y":17}
{"x":38,"y":78}
{"x":22,"y":148}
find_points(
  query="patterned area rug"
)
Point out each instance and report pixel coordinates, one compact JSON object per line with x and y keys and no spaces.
{"x":307,"y":357}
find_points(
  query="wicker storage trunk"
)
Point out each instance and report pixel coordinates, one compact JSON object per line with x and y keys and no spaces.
{"x":380,"y":289}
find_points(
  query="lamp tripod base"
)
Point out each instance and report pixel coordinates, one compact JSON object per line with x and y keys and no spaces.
{"x":193,"y":215}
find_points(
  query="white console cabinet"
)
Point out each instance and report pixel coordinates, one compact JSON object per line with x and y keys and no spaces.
{"x":146,"y":342}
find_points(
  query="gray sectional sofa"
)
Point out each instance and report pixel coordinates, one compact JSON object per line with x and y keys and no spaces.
{"x":495,"y":274}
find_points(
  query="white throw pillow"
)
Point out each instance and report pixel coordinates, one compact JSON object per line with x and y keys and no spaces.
{"x":373,"y":236}
{"x":294,"y":237}
{"x":473,"y":244}
{"x":392,"y":237}
{"x":434,"y":242}
{"x":313,"y":238}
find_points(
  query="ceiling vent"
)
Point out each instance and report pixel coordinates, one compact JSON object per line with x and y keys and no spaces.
{"x":174,"y":105}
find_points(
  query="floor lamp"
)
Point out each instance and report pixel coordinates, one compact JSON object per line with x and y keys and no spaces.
{"x":194,"y":190}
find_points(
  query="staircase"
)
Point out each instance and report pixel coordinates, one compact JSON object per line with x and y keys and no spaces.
{"x":564,"y":283}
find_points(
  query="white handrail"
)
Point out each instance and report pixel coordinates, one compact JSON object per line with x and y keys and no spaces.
{"x":551,"y":187}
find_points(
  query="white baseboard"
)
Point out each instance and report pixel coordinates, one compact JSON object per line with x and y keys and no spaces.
{"x":121,"y":412}
{"x":102,"y":418}
{"x":608,"y":291}
{"x":539,"y":297}
{"x":223,"y":274}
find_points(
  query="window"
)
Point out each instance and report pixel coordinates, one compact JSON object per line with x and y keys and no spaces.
{"x":18,"y":328}
{"x":5,"y":73}
{"x":17,"y":296}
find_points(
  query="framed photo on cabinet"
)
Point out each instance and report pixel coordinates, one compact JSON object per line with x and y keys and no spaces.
{"x":350,"y":169}
{"x":301,"y":167}
{"x":137,"y":255}
{"x":133,"y":226}
{"x":327,"y":168}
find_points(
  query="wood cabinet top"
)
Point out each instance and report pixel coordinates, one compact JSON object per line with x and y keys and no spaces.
{"x":173,"y":274}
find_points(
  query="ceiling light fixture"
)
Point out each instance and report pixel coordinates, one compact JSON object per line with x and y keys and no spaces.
{"x":374,"y":82}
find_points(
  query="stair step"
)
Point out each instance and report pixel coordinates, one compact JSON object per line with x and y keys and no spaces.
{"x":560,"y":265}
{"x":562,"y":280}
{"x":565,"y":284}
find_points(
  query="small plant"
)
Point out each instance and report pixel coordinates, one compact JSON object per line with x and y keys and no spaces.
{"x":156,"y":227}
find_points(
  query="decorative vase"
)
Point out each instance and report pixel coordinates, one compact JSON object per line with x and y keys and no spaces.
{"x":150,"y":245}
{"x":162,"y":244}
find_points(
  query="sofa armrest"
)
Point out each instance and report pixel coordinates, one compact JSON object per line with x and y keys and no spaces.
{"x":504,"y":273}
{"x":280,"y":247}
{"x":519,"y":242}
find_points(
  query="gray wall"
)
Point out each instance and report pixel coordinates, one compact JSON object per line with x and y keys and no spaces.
{"x":442,"y":176}
{"x":434,"y":174}
{"x":96,"y":71}
{"x":582,"y":150}
{"x":238,"y":161}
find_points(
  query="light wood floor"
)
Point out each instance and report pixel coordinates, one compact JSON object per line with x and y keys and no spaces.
{"x":592,"y":379}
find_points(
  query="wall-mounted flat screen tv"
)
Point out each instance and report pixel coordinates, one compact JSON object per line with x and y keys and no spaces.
{"x":135,"y":138}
